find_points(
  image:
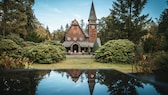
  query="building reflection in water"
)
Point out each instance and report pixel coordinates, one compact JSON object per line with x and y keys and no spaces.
{"x":74,"y":82}
{"x":91,"y":75}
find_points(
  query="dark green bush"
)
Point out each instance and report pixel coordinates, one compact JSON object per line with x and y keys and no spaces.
{"x":121,"y":51}
{"x":45,"y":54}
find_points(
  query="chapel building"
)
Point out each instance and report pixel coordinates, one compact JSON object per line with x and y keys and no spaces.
{"x":81,"y":41}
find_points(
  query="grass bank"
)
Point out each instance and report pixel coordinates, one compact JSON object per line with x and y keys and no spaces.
{"x":83,"y":62}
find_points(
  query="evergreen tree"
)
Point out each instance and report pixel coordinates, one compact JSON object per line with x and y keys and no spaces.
{"x":126,"y":20}
{"x":62,"y":28}
{"x":16,"y":17}
{"x":82,"y":24}
{"x":163,"y":30}
{"x":163,"y":23}
{"x":66,"y":27}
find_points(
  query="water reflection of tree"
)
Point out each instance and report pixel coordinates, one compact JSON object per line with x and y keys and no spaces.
{"x":161,"y":76}
{"x":159,"y":80}
{"x":20,"y":82}
{"x":118,"y":83}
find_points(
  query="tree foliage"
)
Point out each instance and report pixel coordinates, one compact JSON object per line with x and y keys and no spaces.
{"x":34,"y":37}
{"x":17,"y":17}
{"x":125,"y":21}
{"x":163,"y":30}
{"x":95,"y":46}
{"x":58,"y":35}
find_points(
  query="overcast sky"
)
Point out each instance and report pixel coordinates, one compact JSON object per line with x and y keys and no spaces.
{"x":54,"y":13}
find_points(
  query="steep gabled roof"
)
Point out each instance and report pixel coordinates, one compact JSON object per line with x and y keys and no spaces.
{"x":92,"y":15}
{"x":75,"y":23}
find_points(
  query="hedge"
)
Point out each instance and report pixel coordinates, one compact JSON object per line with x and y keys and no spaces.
{"x":120,"y":51}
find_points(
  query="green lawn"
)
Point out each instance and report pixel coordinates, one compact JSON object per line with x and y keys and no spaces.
{"x":83,"y":62}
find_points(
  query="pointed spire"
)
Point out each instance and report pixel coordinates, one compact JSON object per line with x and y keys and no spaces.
{"x":91,"y":80}
{"x":92,"y":15}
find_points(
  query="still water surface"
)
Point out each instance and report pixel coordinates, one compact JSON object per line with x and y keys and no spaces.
{"x":75,"y":82}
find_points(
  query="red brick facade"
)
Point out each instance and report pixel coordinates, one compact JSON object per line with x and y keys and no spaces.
{"x":92,"y":33}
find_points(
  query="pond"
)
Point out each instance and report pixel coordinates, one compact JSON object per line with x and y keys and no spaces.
{"x":76,"y":82}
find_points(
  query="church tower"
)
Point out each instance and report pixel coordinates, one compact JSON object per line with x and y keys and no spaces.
{"x":92,"y":25}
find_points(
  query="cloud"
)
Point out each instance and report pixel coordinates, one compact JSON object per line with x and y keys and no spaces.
{"x":48,"y":8}
{"x":56,"y":10}
{"x":77,"y":16}
{"x":78,"y":85}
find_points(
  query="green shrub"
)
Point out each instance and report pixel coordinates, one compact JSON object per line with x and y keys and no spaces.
{"x":7,"y":45}
{"x":52,"y":42}
{"x":10,"y":47}
{"x":28,"y":44}
{"x":8,"y":62}
{"x":17,"y":39}
{"x":45,"y":54}
{"x":121,"y":51}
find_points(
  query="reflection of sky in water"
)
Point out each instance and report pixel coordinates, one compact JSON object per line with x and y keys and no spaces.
{"x":58,"y":84}
{"x":61,"y":83}
{"x":76,"y":82}
{"x":147,"y":90}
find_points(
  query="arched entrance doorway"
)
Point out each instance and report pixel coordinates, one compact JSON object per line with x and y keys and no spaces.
{"x":75,"y":48}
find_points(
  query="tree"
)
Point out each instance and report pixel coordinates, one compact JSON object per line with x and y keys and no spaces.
{"x":163,"y":30}
{"x":95,"y":46}
{"x":48,"y":36}
{"x":125,"y":20}
{"x":163,"y":22}
{"x":66,"y":27}
{"x":58,"y":35}
{"x":17,"y":17}
{"x":82,"y":24}
{"x":61,"y":28}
